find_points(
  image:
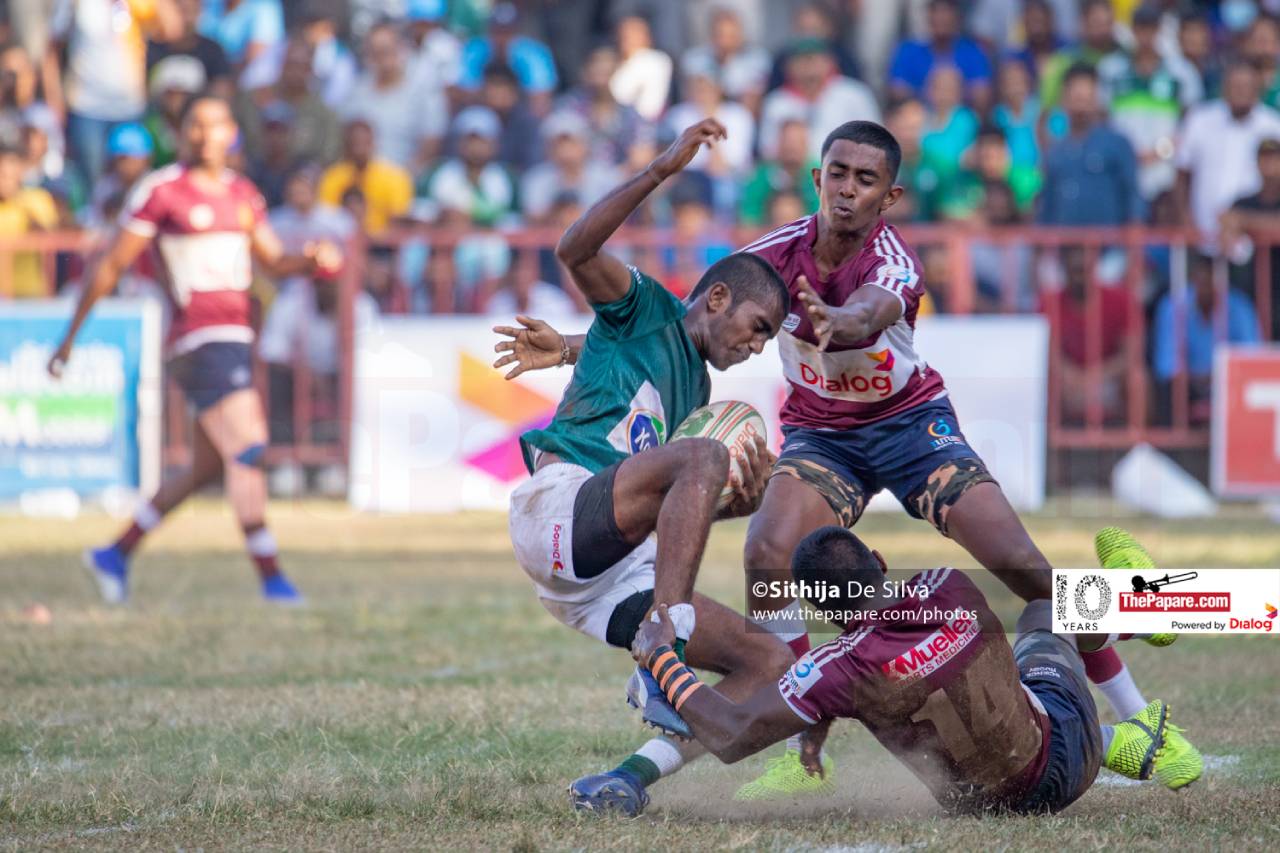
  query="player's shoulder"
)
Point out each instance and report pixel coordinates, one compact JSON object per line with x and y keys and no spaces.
{"x":943,"y":579}
{"x":158,"y":180}
{"x":781,"y":241}
{"x":241,"y":185}
{"x":886,"y":245}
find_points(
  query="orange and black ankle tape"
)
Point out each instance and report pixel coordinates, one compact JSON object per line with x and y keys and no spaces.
{"x":674,"y":678}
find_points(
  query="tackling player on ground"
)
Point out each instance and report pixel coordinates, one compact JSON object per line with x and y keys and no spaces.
{"x":866,"y":413}
{"x":209,"y":224}
{"x":604,"y":480}
{"x":932,"y":677}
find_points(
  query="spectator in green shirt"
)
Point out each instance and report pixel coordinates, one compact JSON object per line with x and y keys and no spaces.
{"x":790,"y":169}
{"x":1097,"y":39}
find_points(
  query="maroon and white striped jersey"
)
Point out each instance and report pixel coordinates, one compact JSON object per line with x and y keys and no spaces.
{"x":934,"y":680}
{"x":848,"y":386}
{"x":202,"y":238}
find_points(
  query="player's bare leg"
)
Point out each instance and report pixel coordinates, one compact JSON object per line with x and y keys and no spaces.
{"x":671,"y":490}
{"x":110,"y":565}
{"x":984,"y":524}
{"x":722,"y":644}
{"x":792,"y":509}
{"x":237,"y":428}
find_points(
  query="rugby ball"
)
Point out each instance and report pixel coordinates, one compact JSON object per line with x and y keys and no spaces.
{"x":730,"y":422}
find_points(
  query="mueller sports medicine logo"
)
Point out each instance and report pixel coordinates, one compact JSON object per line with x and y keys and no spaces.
{"x":557,"y":564}
{"x":933,"y":651}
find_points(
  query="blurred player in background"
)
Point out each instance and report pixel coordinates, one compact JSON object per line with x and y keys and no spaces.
{"x":615,"y":519}
{"x":865,"y":413}
{"x":925,"y":666}
{"x":209,"y":224}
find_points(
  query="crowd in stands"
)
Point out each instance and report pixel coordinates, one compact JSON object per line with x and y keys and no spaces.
{"x":487,"y":118}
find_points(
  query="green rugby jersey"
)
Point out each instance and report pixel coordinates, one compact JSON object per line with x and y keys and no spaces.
{"x":638,"y":376}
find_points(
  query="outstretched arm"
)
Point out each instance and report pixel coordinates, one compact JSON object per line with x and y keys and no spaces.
{"x":729,"y":730}
{"x":268,"y":251}
{"x":119,"y":256}
{"x":868,"y":311}
{"x":535,"y":345}
{"x":601,"y":277}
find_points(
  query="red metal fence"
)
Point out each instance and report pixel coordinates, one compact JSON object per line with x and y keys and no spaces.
{"x":1102,"y":393}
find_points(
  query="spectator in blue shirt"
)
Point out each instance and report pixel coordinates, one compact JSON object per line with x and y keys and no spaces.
{"x":530,"y":59}
{"x":244,"y":28}
{"x":1091,"y":174}
{"x":1186,"y":328}
{"x":914,"y":60}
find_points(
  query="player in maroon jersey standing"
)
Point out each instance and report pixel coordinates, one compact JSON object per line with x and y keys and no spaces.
{"x":864,"y":413}
{"x":209,"y":225}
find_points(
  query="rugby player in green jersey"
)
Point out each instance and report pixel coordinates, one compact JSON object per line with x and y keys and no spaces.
{"x":605,"y":480}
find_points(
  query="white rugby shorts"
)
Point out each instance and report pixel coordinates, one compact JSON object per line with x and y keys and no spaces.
{"x":541,"y":524}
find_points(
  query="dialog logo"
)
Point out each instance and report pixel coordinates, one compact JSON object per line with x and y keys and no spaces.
{"x":557,"y":564}
{"x":883,"y":359}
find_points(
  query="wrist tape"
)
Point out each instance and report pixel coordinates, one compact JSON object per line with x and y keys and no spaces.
{"x":674,"y":678}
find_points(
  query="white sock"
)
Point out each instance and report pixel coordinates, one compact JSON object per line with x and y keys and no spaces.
{"x":260,"y":543}
{"x":146,"y":516}
{"x":1122,"y":694}
{"x":785,"y":623}
{"x":664,"y":754}
{"x":1108,"y":733}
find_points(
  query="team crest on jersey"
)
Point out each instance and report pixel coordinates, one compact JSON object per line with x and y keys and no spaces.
{"x":791,"y":323}
{"x":902,"y":275}
{"x":201,"y":217}
{"x":803,"y":674}
{"x":645,"y":425}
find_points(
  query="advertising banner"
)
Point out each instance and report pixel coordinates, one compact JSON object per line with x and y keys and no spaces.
{"x":1245,"y":433}
{"x":95,"y":429}
{"x":435,"y":428}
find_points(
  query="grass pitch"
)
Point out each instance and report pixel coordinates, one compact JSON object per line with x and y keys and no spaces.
{"x":424,"y":700}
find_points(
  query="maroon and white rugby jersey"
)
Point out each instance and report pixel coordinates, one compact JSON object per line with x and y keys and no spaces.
{"x":202,"y":238}
{"x":938,"y":688}
{"x":848,"y":386}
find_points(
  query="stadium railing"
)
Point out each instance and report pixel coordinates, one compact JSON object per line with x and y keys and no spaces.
{"x":1107,"y":399}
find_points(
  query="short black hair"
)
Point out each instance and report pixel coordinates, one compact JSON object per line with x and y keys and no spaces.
{"x":499,"y":70}
{"x":990,"y":131}
{"x":1077,"y":71}
{"x":8,"y":149}
{"x":750,"y":279}
{"x":199,"y":98}
{"x":833,"y":555}
{"x":868,"y":133}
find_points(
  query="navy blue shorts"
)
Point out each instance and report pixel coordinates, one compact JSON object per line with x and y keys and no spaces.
{"x":1051,"y":669}
{"x":210,"y":372}
{"x":908,"y":454}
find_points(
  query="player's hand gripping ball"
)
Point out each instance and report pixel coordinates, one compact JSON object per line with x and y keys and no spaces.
{"x":739,"y":427}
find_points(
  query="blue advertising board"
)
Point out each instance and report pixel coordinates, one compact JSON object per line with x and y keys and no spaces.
{"x":97,"y":427}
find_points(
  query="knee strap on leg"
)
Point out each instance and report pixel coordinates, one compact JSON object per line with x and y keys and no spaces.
{"x":252,"y":456}
{"x":945,"y":486}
